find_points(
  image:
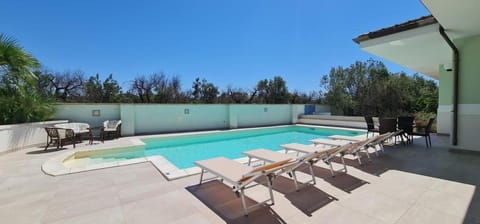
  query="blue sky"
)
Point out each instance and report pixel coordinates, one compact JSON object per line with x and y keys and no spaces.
{"x":233,"y":43}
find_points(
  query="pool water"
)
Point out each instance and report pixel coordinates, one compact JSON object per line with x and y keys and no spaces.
{"x":183,"y":151}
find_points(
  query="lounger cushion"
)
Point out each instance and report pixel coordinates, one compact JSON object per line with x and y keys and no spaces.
{"x":228,"y":169}
{"x":268,"y":155}
{"x":300,"y":147}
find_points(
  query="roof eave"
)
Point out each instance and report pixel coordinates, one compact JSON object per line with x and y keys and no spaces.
{"x":412,"y":24}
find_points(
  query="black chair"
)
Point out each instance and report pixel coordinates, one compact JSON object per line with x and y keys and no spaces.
{"x":388,"y":125}
{"x":426,"y":133}
{"x":406,"y":125}
{"x":370,"y":125}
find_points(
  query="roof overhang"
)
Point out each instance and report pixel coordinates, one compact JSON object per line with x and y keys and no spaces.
{"x":420,"y":49}
{"x":417,"y":44}
{"x":459,"y":18}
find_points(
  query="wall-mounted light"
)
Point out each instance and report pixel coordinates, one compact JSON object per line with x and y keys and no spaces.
{"x":95,"y":113}
{"x":186,"y":111}
{"x":447,"y":67}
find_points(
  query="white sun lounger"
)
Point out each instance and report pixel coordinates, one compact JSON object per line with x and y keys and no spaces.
{"x":329,"y":142}
{"x":347,"y":138}
{"x":270,"y":156}
{"x":301,"y":148}
{"x":342,"y":140}
{"x":240,"y":175}
{"x":328,"y":153}
{"x":355,"y":148}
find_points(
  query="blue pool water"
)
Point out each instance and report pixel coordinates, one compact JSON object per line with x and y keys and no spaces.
{"x":183,"y":151}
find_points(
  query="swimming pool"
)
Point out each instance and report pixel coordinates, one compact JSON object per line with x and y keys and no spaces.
{"x":183,"y":151}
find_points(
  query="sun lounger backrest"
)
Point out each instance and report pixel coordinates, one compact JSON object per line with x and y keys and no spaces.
{"x":380,"y":138}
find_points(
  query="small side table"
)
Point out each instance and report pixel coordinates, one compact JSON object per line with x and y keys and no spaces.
{"x":91,"y":134}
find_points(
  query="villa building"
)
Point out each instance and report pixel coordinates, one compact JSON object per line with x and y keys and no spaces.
{"x":444,"y":46}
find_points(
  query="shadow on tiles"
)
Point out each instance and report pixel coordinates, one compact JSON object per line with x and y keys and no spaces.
{"x":222,"y":200}
{"x":307,"y":199}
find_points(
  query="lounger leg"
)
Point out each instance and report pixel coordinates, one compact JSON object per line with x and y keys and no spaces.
{"x":242,"y":195}
{"x":358,"y":158}
{"x":368,"y":154}
{"x":295,"y":180}
{"x":344,"y":165}
{"x":201,"y":176}
{"x":269,"y":182}
{"x":311,"y":173}
{"x":331,"y":169}
{"x":249,"y":160}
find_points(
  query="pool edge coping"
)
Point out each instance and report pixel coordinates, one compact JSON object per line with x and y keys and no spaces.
{"x":55,"y":167}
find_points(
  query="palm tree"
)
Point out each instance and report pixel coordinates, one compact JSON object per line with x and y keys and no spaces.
{"x":16,"y":64}
{"x":18,"y":91}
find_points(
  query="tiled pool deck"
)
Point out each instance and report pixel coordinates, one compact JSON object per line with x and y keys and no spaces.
{"x":404,"y":185}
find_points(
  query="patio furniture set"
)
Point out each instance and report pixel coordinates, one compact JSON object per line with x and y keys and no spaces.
{"x":405,"y":126}
{"x":60,"y":134}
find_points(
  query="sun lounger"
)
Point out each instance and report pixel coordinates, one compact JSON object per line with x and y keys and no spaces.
{"x":355,"y":149}
{"x":240,"y":175}
{"x":329,"y":142}
{"x":325,"y":153}
{"x":300,"y":148}
{"x":342,"y":140}
{"x":347,"y":138}
{"x":270,"y":156}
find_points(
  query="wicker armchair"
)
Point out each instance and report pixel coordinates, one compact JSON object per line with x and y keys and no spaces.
{"x":112,"y":127}
{"x":59,"y":137}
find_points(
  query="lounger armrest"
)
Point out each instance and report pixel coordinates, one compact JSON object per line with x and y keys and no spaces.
{"x":263,"y":170}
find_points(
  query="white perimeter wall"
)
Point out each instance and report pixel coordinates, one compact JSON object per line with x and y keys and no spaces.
{"x":152,"y":118}
{"x":160,"y":118}
{"x":83,"y":113}
{"x":18,"y":136}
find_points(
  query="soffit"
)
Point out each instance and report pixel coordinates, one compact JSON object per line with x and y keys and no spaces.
{"x":460,"y":18}
{"x":420,"y":49}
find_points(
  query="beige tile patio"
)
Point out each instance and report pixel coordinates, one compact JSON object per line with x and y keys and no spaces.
{"x":105,"y":216}
{"x":418,"y":214}
{"x":444,"y":202}
{"x":379,"y":206}
{"x":404,"y":185}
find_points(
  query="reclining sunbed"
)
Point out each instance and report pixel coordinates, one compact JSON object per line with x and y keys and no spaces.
{"x":240,"y":175}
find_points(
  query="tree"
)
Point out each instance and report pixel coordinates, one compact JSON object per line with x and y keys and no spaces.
{"x":203,"y":91}
{"x":97,"y":91}
{"x":272,"y":91}
{"x":111,"y":92}
{"x":94,"y":90}
{"x":16,"y":65}
{"x":169,"y":90}
{"x":65,"y":86}
{"x":143,"y":88}
{"x":303,"y":98}
{"x":234,"y":95}
{"x":20,"y":99}
{"x":368,"y":88}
